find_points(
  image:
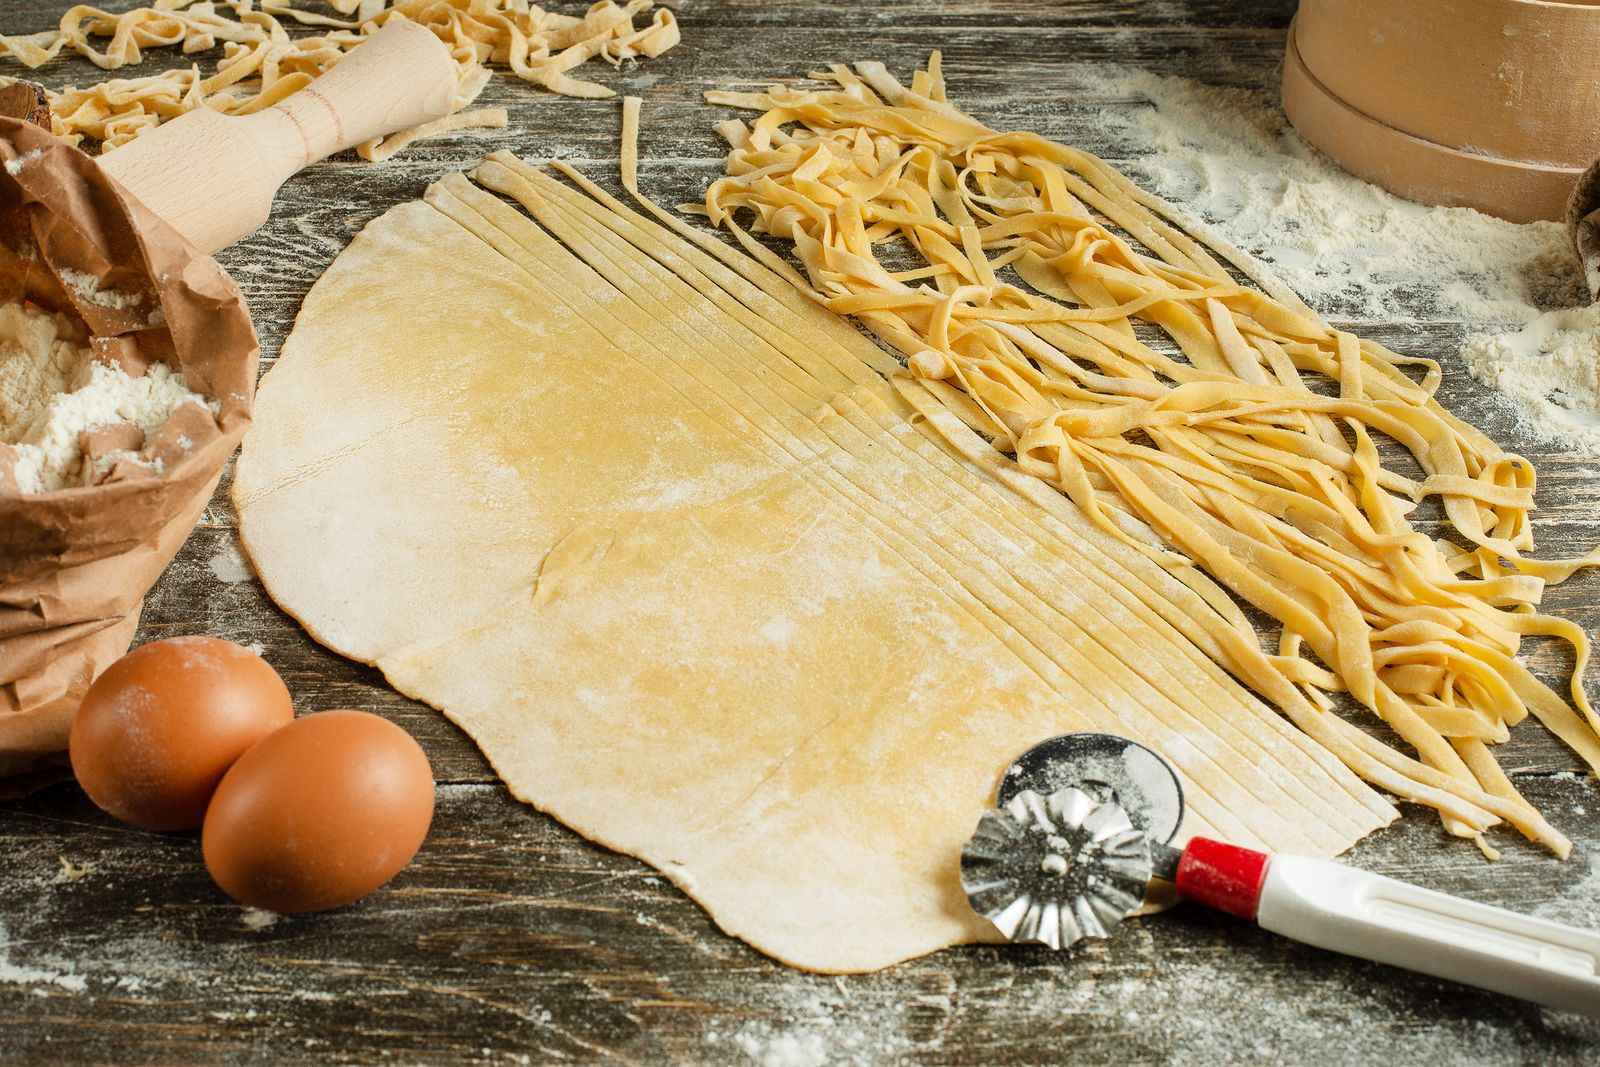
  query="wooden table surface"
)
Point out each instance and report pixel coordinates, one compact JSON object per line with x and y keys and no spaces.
{"x":511,"y":939}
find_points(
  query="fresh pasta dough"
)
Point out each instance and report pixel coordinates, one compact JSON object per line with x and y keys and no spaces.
{"x":663,"y":537}
{"x":1126,"y":366}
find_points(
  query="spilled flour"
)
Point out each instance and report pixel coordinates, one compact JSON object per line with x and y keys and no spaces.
{"x":1350,"y":249}
{"x":229,"y":565}
{"x":19,"y":975}
{"x":813,"y":1028}
{"x":1551,"y":365}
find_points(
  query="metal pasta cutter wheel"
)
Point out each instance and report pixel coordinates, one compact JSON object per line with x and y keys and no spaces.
{"x":1083,"y":824}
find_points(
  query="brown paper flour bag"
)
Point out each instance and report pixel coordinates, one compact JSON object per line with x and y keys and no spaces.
{"x":76,"y":563}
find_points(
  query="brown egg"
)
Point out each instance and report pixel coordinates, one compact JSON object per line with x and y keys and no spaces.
{"x":156,"y":732}
{"x":320,"y":813}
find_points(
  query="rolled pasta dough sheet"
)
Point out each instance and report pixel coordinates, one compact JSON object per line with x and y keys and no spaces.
{"x":706,"y":600}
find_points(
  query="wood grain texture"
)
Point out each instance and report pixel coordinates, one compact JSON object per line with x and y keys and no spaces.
{"x":512,"y":940}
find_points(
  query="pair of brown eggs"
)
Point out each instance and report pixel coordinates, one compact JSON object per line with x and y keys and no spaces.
{"x":296,"y":815}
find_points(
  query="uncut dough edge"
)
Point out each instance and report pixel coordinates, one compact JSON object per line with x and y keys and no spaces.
{"x":369,"y":430}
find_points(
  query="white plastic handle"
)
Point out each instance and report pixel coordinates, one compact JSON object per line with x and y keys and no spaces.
{"x":1367,"y":915}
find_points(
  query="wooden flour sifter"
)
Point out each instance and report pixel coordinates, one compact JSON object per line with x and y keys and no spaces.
{"x":1083,"y":824}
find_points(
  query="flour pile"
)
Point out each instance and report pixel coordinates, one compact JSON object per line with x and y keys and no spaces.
{"x":53,"y":393}
{"x":1551,"y":365}
{"x":1349,"y":248}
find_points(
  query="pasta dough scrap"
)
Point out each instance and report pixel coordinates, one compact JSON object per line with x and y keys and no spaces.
{"x":262,"y":63}
{"x":662,"y":537}
{"x":1124,"y":365}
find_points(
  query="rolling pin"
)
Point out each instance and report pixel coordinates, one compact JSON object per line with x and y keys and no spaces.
{"x":212,"y":176}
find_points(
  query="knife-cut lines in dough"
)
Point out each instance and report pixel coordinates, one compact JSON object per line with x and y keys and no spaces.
{"x":1125,"y":366}
{"x":662,"y":536}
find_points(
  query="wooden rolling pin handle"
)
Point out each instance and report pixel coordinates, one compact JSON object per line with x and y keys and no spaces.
{"x":213,"y":176}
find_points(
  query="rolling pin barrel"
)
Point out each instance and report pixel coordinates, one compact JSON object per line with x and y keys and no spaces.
{"x":213,"y":176}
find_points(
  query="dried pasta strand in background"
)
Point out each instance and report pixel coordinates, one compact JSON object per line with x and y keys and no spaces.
{"x":262,"y":63}
{"x":1245,"y":439}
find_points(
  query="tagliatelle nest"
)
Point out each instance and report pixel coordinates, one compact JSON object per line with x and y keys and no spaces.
{"x":262,"y":63}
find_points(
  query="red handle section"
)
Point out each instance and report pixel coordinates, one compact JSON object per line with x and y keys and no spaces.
{"x":1222,"y":876}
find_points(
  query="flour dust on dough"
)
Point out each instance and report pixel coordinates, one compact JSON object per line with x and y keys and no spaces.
{"x":662,"y":538}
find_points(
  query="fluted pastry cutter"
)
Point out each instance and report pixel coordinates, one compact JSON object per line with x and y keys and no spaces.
{"x":1083,"y":823}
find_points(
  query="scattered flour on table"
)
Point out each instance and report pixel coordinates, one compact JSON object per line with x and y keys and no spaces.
{"x":229,"y":566}
{"x":1223,"y":1019}
{"x":1228,"y":157}
{"x":53,"y":391}
{"x":13,"y":974}
{"x":784,"y":1050}
{"x":808,"y":1028}
{"x":1186,"y":1010}
{"x":1551,"y":365}
{"x":1579,"y":903}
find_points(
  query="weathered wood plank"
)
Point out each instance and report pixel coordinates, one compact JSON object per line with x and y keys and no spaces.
{"x":511,"y":936}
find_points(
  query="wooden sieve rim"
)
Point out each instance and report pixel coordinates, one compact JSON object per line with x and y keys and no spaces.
{"x":1416,"y":168}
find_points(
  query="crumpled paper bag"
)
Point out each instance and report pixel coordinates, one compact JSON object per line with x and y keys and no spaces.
{"x":76,"y":563}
